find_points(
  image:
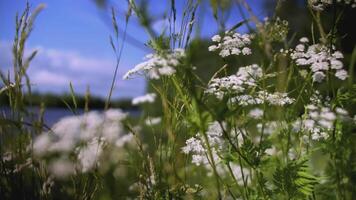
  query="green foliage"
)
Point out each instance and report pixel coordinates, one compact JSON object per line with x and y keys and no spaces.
{"x":294,"y":180}
{"x":204,"y":145}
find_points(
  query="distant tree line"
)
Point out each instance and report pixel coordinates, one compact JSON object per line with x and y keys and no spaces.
{"x":63,"y":100}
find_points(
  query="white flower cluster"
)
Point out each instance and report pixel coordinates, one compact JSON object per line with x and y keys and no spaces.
{"x":235,"y":87}
{"x":319,"y":121}
{"x":320,"y":59}
{"x":245,"y":78}
{"x":147,"y":98}
{"x":261,"y":97}
{"x":197,"y":146}
{"x":276,"y":29}
{"x":158,"y":65}
{"x":232,"y":44}
{"x":242,"y":175}
{"x":89,"y":154}
{"x":276,"y":98}
{"x":151,"y":121}
{"x":85,"y":136}
{"x":270,"y":127}
{"x":11,"y":157}
{"x":256,"y":113}
{"x":322,"y":4}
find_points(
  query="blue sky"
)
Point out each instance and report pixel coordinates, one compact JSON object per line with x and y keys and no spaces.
{"x":72,"y":37}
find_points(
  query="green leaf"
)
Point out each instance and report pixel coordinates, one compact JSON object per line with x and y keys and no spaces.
{"x":238,"y":25}
{"x":73,"y":96}
{"x":352,"y":66}
{"x":214,"y":6}
{"x":294,"y":179}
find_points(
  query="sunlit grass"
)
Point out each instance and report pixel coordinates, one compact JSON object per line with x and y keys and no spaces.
{"x":280,"y":126}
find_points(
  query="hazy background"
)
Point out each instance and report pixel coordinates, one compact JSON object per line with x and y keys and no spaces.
{"x":72,"y":37}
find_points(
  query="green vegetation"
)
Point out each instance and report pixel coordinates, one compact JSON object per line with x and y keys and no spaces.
{"x":59,"y":101}
{"x":268,"y":114}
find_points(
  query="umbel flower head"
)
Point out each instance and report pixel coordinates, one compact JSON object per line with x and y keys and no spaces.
{"x":83,"y":135}
{"x":232,"y":44}
{"x":147,"y":98}
{"x":319,"y":119}
{"x":197,"y":147}
{"x":245,"y":78}
{"x":320,"y":59}
{"x":237,"y":87}
{"x":276,"y":29}
{"x":157,"y":65}
{"x":320,"y":5}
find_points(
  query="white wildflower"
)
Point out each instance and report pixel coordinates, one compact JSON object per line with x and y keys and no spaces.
{"x":341,"y":74}
{"x":216,"y":38}
{"x":82,"y":135}
{"x":20,"y":167}
{"x":309,"y":124}
{"x":213,"y":48}
{"x":151,"y":121}
{"x":320,"y":59}
{"x":214,"y":133}
{"x":197,"y":146}
{"x":41,"y":144}
{"x":7,"y":156}
{"x":236,"y":86}
{"x":292,"y":154}
{"x":245,"y":77}
{"x":271,"y":151}
{"x":198,"y":159}
{"x":123,"y":140}
{"x":232,"y":44}
{"x":304,"y":40}
{"x":225,"y":53}
{"x":311,"y":107}
{"x":277,"y":98}
{"x":166,"y":70}
{"x":341,"y":111}
{"x":319,"y":120}
{"x":158,"y":65}
{"x":92,"y":122}
{"x":237,"y":171}
{"x":300,"y":47}
{"x":193,"y":145}
{"x":256,"y":113}
{"x":62,"y":168}
{"x":271,"y":127}
{"x":327,"y":114}
{"x":320,"y":5}
{"x":147,"y":98}
{"x":88,"y":155}
{"x":336,"y":64}
{"x":246,"y":51}
{"x":47,"y":186}
{"x":245,"y":100}
{"x":318,"y":77}
{"x":115,"y":115}
{"x":338,"y":55}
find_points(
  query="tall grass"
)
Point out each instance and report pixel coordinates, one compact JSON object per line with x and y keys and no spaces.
{"x":280,"y":126}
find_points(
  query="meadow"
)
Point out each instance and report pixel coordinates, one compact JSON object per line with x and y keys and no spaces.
{"x":264,"y":113}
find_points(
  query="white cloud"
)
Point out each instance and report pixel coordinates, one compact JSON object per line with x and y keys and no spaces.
{"x":76,"y":62}
{"x":49,"y":78}
{"x":53,"y":69}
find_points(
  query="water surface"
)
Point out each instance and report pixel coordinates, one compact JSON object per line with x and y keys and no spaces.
{"x":52,"y":115}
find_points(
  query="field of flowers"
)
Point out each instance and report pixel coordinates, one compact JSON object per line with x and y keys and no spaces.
{"x":274,"y":119}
